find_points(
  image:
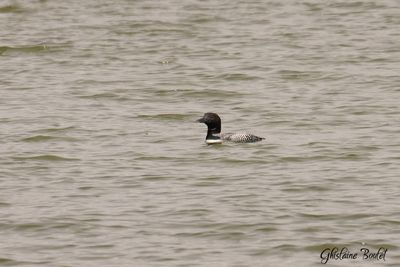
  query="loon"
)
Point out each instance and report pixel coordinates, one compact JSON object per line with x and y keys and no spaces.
{"x":214,"y":135}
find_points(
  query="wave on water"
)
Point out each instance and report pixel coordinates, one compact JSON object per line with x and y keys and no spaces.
{"x":12,"y":8}
{"x":56,"y":129}
{"x":105,"y":95}
{"x":24,"y":49}
{"x":166,"y":116}
{"x":34,"y":48}
{"x":48,"y":157}
{"x":38,"y":138}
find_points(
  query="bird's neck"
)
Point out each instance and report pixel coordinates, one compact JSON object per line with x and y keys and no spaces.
{"x":213,"y":138}
{"x":213,"y":133}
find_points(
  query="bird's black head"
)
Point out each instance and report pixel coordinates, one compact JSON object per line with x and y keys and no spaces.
{"x":213,"y":122}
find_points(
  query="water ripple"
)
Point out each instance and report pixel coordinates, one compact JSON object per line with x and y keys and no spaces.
{"x":44,"y":158}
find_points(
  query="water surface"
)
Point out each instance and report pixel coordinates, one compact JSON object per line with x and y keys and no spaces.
{"x":102,"y":163}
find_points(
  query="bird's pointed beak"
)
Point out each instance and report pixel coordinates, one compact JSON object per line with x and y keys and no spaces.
{"x":200,"y":120}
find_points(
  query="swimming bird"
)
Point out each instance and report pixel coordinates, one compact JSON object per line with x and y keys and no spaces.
{"x":214,"y":135}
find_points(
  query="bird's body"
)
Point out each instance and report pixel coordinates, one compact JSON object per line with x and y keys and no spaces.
{"x":241,"y":137}
{"x":214,"y":135}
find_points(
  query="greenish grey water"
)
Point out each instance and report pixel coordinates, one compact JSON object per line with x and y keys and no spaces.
{"x":103,"y":165}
